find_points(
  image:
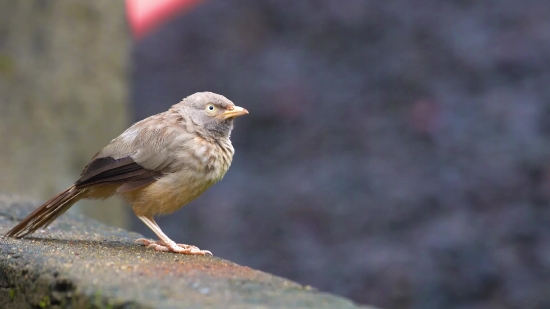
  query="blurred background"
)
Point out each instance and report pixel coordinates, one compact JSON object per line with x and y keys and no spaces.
{"x":396,"y":153}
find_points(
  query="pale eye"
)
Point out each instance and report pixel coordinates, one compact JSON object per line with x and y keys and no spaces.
{"x":210,"y":108}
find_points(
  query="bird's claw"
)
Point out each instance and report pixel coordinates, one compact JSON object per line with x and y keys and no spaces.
{"x":160,"y":245}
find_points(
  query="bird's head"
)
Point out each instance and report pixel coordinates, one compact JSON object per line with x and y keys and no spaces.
{"x":212,"y":114}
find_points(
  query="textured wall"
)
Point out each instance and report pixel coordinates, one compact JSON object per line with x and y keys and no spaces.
{"x":63,"y":92}
{"x":396,"y":152}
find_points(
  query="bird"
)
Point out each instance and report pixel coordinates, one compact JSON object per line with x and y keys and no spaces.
{"x":158,"y":165}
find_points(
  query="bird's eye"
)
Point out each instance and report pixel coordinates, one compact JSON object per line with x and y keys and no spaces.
{"x":210,"y":108}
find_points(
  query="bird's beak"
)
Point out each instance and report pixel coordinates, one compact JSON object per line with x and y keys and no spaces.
{"x":235,"y":112}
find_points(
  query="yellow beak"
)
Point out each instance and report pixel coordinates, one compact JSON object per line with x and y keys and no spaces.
{"x":235,"y":112}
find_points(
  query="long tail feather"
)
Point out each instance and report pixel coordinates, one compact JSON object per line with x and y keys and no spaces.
{"x":47,"y":213}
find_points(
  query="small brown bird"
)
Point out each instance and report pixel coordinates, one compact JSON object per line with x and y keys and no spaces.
{"x":158,"y":165}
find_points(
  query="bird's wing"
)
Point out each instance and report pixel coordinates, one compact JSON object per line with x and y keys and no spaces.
{"x":134,"y":159}
{"x":107,"y":170}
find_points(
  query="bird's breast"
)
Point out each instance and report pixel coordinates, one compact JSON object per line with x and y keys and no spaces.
{"x":201,"y":165}
{"x":211,"y":157}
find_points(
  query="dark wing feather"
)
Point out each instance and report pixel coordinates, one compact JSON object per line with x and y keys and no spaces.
{"x":110,"y":170}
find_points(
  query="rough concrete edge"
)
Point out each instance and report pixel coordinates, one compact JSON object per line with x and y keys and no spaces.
{"x":48,"y":287}
{"x":62,"y":293}
{"x":15,"y":273}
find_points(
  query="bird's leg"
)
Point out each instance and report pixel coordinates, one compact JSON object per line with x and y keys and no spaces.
{"x":165,"y":243}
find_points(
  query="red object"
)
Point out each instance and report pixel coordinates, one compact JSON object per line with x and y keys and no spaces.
{"x":146,"y":15}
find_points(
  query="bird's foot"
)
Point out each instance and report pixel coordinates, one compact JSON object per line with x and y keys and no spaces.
{"x":160,"y":245}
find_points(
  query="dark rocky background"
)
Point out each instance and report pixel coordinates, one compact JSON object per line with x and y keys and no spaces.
{"x":396,"y":152}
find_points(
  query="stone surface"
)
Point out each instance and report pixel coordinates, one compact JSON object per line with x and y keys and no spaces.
{"x":80,"y":263}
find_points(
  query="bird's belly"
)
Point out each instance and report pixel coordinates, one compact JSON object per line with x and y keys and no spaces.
{"x":171,"y":192}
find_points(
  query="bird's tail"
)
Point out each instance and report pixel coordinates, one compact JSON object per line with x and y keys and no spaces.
{"x":46,"y":213}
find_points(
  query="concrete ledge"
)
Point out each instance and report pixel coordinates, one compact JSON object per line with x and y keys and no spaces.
{"x":80,"y":263}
